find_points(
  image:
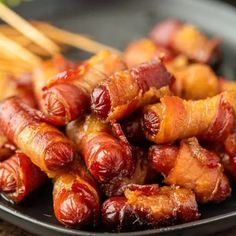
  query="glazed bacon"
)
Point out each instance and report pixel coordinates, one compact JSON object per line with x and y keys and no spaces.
{"x":192,"y":167}
{"x":149,"y":206}
{"x":19,"y":177}
{"x":46,"y":146}
{"x":173,"y":119}
{"x":188,"y":40}
{"x":67,"y":95}
{"x":126,"y":91}
{"x":76,"y":199}
{"x":106,"y":156}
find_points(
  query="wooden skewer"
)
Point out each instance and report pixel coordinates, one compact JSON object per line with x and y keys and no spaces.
{"x":59,"y":35}
{"x":72,"y":39}
{"x":19,"y":51}
{"x":23,"y":41}
{"x":27,"y":29}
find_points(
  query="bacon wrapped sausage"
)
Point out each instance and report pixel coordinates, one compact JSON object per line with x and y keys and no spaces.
{"x":192,"y":81}
{"x":143,"y":174}
{"x":67,"y":96}
{"x":106,"y":156}
{"x":162,"y":157}
{"x":206,"y":177}
{"x":43,"y":74}
{"x":19,"y":177}
{"x":46,"y":146}
{"x":76,"y":200}
{"x":195,"y":81}
{"x":149,"y":206}
{"x":144,"y":50}
{"x":128,"y":90}
{"x":174,"y":118}
{"x":188,"y":40}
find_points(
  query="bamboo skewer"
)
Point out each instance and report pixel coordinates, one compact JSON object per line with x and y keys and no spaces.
{"x":72,"y":39}
{"x":19,"y":51}
{"x":60,"y":36}
{"x":27,"y":29}
{"x":13,"y":49}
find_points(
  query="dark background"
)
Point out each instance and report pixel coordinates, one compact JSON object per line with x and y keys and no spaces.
{"x":233,"y":2}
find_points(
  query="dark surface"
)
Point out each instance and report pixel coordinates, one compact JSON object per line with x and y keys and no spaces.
{"x":116,"y":23}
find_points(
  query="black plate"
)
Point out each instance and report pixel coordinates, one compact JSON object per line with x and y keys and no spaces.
{"x":116,"y":23}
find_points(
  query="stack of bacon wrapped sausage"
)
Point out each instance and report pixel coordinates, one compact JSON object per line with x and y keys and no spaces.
{"x":130,"y":142}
